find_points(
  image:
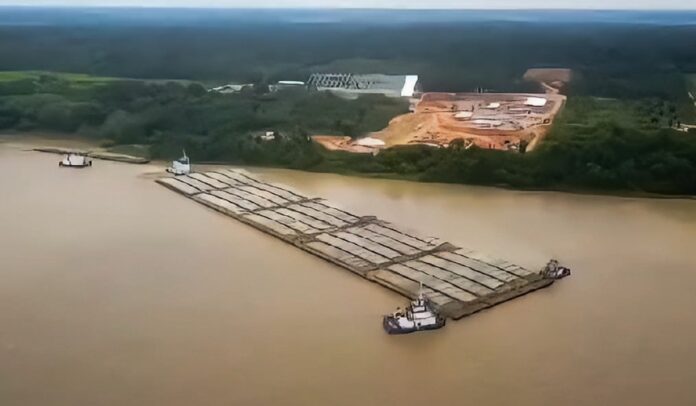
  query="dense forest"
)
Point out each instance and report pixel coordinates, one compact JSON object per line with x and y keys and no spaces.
{"x":630,"y":85}
{"x":611,"y":60}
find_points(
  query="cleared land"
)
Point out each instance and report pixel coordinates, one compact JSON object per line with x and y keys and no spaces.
{"x":500,"y":121}
{"x":459,"y":281}
{"x":552,"y":79}
{"x":341,"y":143}
{"x":77,"y":80}
{"x":487,"y":120}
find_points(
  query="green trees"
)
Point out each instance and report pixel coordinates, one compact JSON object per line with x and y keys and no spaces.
{"x":594,"y":144}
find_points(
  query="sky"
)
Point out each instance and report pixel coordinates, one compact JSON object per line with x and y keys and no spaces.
{"x":451,"y":4}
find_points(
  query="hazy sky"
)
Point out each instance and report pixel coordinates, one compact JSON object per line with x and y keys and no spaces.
{"x":466,"y":4}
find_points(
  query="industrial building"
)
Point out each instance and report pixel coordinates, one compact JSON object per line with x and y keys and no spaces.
{"x":352,"y":85}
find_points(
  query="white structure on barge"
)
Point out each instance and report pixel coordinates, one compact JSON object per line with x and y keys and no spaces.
{"x":418,"y":316}
{"x":181,"y":166}
{"x":73,"y":160}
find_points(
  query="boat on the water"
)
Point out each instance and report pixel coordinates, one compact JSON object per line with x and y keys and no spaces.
{"x":181,"y":166}
{"x":73,"y":160}
{"x":419,"y":315}
{"x":553,"y":270}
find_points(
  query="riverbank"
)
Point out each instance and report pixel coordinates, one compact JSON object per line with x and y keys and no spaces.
{"x":595,"y":145}
{"x":62,"y":143}
{"x":416,"y":178}
{"x":105,"y":155}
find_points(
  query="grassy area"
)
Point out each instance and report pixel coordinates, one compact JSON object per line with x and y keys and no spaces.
{"x":691,"y":83}
{"x":585,"y":112}
{"x":74,"y":78}
{"x":687,"y":109}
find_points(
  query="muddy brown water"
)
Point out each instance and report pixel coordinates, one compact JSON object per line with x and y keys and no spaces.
{"x":116,"y":291}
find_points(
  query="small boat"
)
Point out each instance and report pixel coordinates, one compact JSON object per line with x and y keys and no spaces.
{"x":553,"y":270}
{"x":75,"y":161}
{"x":181,"y":166}
{"x":419,"y":315}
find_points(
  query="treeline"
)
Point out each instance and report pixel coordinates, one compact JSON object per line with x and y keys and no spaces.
{"x":580,"y":153}
{"x":595,"y":144}
{"x":610,"y":60}
{"x":170,"y":116}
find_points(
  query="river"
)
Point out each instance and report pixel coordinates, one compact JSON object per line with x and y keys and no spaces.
{"x":116,"y":291}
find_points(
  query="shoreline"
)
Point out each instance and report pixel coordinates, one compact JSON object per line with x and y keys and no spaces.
{"x":403,"y":178}
{"x":104,"y":155}
{"x":61,"y":143}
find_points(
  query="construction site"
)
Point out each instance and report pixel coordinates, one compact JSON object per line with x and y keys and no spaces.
{"x":501,"y":121}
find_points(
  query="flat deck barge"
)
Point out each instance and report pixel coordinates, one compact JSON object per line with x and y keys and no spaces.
{"x":457,"y":280}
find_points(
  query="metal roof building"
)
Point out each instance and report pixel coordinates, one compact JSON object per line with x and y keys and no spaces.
{"x":388,"y":85}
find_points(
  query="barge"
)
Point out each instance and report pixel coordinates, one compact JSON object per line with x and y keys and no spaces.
{"x":456,"y":281}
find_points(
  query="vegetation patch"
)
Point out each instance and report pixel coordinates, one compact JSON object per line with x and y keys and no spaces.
{"x":691,"y":83}
{"x":628,"y":90}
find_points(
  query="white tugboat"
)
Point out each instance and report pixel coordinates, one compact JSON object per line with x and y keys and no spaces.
{"x":553,"y":270}
{"x":75,"y":161}
{"x":419,"y":315}
{"x":181,"y":166}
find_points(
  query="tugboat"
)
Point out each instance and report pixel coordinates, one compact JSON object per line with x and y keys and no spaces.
{"x":73,"y":160}
{"x":181,"y":166}
{"x":419,"y":315}
{"x":553,"y":270}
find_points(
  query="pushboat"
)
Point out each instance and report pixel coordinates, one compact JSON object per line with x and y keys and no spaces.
{"x":181,"y":166}
{"x":75,"y":161}
{"x":553,"y":270}
{"x":419,"y":315}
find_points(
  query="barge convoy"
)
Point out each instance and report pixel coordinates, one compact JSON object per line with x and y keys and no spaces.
{"x":443,"y":280}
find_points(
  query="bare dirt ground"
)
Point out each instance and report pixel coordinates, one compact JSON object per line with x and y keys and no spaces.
{"x":47,"y":139}
{"x":550,"y":78}
{"x":489,"y":120}
{"x":502,"y":121}
{"x":341,"y":143}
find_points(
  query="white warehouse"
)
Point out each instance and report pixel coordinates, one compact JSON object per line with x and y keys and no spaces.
{"x":350,"y":84}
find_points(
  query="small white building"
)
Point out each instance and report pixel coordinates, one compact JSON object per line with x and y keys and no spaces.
{"x":230,"y":88}
{"x":535,"y":101}
{"x":485,"y":122}
{"x":464,"y":115}
{"x":268,"y":136}
{"x":291,"y":83}
{"x":370,"y":142}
